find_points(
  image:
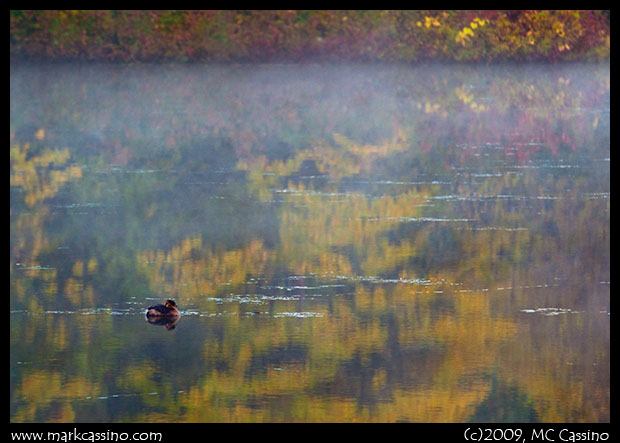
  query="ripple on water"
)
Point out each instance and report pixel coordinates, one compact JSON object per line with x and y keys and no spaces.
{"x":298,"y":314}
{"x":550,"y":311}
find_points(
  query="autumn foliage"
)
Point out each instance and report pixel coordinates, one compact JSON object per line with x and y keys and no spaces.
{"x":299,"y":35}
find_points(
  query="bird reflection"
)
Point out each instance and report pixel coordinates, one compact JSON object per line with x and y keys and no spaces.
{"x":167,"y":322}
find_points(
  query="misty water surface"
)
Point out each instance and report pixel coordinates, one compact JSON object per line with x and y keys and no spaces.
{"x":345,"y":242}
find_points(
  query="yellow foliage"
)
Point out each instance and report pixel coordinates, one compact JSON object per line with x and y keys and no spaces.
{"x":431,"y":21}
{"x":34,"y":175}
{"x":464,"y":35}
{"x":91,"y":266}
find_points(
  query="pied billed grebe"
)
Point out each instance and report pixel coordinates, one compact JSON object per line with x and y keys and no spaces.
{"x":168,"y":309}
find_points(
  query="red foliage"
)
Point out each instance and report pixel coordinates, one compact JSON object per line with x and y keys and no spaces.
{"x":298,"y":35}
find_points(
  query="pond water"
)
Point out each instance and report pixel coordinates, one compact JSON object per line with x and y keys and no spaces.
{"x":345,"y":243}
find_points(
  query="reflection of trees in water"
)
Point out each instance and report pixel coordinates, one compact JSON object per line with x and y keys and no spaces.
{"x":40,"y":176}
{"x":409,"y":217}
{"x":275,"y":113}
{"x":353,"y":234}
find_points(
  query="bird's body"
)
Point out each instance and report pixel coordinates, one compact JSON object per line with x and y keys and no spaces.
{"x":169,"y":309}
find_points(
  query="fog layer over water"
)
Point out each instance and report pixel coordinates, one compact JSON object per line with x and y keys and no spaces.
{"x":345,"y":243}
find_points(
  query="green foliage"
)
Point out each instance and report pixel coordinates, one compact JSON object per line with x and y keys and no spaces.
{"x":281,"y":35}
